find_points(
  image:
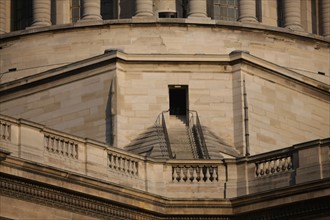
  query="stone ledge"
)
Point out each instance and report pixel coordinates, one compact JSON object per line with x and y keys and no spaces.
{"x":165,"y":21}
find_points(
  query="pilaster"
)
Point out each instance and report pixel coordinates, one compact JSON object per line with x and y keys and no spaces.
{"x":91,"y":10}
{"x":247,"y":11}
{"x":292,"y":16}
{"x":325,"y":17}
{"x":144,"y":8}
{"x":63,"y":12}
{"x":41,"y":13}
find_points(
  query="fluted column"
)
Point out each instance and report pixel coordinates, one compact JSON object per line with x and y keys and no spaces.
{"x":325,"y":17}
{"x":2,"y":16}
{"x":144,"y":8}
{"x":91,"y":10}
{"x":292,"y":16}
{"x":41,"y":13}
{"x":197,"y":9}
{"x":247,"y":10}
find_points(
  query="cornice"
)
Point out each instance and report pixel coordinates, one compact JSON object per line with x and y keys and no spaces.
{"x":153,"y":21}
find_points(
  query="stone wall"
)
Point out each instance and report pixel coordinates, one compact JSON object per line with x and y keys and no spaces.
{"x":58,"y":46}
{"x":125,"y":98}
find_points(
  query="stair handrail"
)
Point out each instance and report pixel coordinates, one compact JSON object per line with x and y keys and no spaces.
{"x":162,"y":122}
{"x":192,"y":140}
{"x":200,"y":134}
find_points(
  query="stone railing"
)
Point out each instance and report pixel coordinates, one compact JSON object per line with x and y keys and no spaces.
{"x":123,"y":164}
{"x":61,"y":146}
{"x":195,"y":173}
{"x":173,"y":178}
{"x":274,"y":166}
{"x":5,"y":130}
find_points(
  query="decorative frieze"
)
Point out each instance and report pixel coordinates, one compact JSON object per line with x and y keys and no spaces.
{"x":274,"y":166}
{"x":5,"y":131}
{"x":65,"y":200}
{"x":61,"y":146}
{"x":123,"y":164}
{"x":195,"y":173}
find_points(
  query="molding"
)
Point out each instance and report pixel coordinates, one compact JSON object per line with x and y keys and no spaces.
{"x":89,"y":205}
{"x":153,"y":21}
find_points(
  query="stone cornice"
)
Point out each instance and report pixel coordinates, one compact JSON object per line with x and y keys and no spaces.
{"x":288,"y":201}
{"x":153,"y":21}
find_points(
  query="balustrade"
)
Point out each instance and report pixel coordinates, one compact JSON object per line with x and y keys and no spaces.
{"x":4,"y":131}
{"x":195,"y":173}
{"x":123,"y":164}
{"x":274,"y":166}
{"x":61,"y":146}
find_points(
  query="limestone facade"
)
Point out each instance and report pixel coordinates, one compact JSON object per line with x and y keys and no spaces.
{"x":82,"y":178}
{"x":93,"y":94}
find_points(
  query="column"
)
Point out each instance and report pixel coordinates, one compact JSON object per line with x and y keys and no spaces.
{"x":292,"y":17}
{"x":197,"y":9}
{"x":91,"y":10}
{"x":63,"y":11}
{"x":247,"y":11}
{"x":2,"y":16}
{"x":41,"y":13}
{"x":325,"y":17}
{"x":144,"y":8}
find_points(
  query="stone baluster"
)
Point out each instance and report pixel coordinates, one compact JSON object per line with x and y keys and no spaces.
{"x":91,"y":10}
{"x":197,"y":9}
{"x":325,"y":17}
{"x":195,"y":174}
{"x":292,"y":16}
{"x":144,"y":8}
{"x":247,"y":11}
{"x":41,"y":13}
{"x":3,"y":16}
{"x":207,"y":174}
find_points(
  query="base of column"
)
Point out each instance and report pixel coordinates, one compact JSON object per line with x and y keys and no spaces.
{"x":90,"y":17}
{"x":247,"y":19}
{"x":143,"y":14}
{"x":295,"y":27}
{"x":40,"y":24}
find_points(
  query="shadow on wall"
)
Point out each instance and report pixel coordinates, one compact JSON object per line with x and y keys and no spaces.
{"x":216,"y":146}
{"x":109,"y":128}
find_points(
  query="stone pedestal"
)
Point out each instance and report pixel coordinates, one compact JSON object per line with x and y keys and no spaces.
{"x":197,"y":9}
{"x":292,"y":16}
{"x":325,"y":17}
{"x":247,"y":11}
{"x":91,"y":10}
{"x":41,"y":13}
{"x":144,"y":8}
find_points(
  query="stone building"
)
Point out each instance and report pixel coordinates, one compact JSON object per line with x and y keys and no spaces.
{"x":164,"y":109}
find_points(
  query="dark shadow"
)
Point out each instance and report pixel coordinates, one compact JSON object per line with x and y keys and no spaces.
{"x":109,"y":133}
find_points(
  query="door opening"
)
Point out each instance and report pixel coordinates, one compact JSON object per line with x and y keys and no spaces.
{"x":178,"y":99}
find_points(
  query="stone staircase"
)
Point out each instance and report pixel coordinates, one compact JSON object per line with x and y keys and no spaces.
{"x":179,"y":138}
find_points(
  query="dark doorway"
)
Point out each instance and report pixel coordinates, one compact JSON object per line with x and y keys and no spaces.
{"x":178,"y":99}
